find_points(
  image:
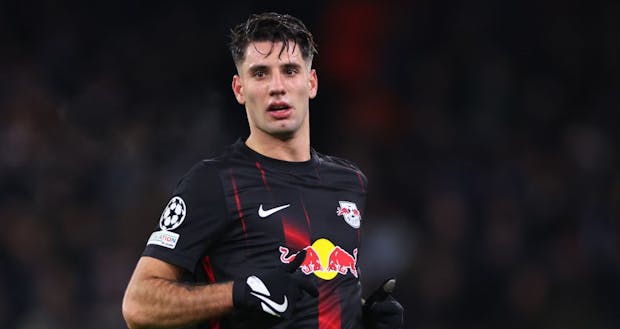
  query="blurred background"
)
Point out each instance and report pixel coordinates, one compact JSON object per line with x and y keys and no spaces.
{"x":488,"y":130}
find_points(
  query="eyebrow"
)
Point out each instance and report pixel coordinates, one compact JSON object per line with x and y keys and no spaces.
{"x":285,"y":66}
{"x":256,"y":68}
{"x":291,"y":66}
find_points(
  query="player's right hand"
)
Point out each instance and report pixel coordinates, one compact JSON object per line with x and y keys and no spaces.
{"x":274,"y":292}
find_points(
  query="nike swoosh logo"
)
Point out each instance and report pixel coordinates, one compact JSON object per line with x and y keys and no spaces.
{"x":280,"y":308}
{"x":265,"y":213}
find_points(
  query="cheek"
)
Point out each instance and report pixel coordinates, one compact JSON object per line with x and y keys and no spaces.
{"x":253,"y":92}
{"x":302,"y":89}
{"x":251,"y":98}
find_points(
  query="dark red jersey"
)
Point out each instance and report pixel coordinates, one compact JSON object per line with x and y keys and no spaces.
{"x":243,"y":213}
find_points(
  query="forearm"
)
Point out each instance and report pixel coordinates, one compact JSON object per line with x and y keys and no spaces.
{"x":162,"y":302}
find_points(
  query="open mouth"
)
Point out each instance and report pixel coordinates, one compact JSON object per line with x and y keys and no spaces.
{"x":279,"y":110}
{"x":278,"y":107}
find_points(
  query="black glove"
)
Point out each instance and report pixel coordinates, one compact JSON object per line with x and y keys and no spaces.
{"x":381,"y":310}
{"x":275,"y":292}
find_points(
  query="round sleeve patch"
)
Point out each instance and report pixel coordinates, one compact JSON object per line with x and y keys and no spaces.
{"x":173,"y":214}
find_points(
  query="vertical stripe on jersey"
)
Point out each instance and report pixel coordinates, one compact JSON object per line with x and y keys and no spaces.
{"x":263,"y":176}
{"x":295,"y":237}
{"x":362,"y":185}
{"x":238,"y":202}
{"x":206,"y":265}
{"x":208,"y":268}
{"x":330,"y":316}
{"x":303,"y":205}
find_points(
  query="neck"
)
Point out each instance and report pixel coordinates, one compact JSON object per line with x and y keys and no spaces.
{"x":294,"y":149}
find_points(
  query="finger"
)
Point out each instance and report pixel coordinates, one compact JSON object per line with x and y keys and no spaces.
{"x":389,"y":306}
{"x":299,"y":258}
{"x":381,"y":293}
{"x":308,"y":286}
{"x":389,"y":285}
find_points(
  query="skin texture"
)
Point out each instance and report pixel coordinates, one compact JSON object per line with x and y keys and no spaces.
{"x":269,"y":79}
{"x":275,"y":88}
{"x":155,"y":299}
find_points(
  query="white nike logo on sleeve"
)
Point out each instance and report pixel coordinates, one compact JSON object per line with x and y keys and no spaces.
{"x":265,"y":213}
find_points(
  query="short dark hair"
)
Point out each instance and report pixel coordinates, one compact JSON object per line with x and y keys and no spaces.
{"x":272,"y":27}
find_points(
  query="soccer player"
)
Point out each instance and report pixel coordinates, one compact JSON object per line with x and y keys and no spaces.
{"x":266,"y":235}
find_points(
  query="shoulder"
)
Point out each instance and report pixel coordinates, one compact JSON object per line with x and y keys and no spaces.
{"x":205,"y":172}
{"x":200,"y":170}
{"x":210,"y":167}
{"x":338,"y":163}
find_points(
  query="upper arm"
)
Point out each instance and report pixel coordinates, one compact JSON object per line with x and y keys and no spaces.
{"x":200,"y":216}
{"x":147,"y":276}
{"x":147,"y":271}
{"x":155,"y":297}
{"x":151,"y":268}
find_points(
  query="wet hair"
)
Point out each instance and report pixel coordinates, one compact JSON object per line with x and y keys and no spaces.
{"x":272,"y":27}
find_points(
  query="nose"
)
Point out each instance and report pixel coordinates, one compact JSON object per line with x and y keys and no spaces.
{"x":276,"y":87}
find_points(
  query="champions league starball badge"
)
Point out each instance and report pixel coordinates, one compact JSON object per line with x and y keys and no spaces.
{"x":173,"y":215}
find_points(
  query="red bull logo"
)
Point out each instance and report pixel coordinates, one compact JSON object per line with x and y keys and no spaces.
{"x":324,"y":260}
{"x":311,"y":263}
{"x":341,"y":261}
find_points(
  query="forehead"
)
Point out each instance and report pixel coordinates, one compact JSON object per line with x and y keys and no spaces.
{"x":265,"y":52}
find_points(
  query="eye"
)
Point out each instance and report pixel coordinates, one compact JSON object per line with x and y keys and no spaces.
{"x":291,"y":70}
{"x":259,"y":74}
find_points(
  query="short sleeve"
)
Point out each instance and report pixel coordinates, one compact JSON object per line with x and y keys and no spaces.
{"x":191,"y":220}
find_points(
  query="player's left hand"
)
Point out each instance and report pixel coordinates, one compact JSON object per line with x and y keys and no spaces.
{"x":381,"y":310}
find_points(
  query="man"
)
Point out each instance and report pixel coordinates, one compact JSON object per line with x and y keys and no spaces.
{"x":266,"y":235}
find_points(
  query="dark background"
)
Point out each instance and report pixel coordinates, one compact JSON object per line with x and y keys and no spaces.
{"x":488,"y":130}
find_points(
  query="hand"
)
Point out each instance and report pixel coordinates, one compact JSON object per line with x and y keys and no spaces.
{"x":381,"y":310}
{"x":275,"y":292}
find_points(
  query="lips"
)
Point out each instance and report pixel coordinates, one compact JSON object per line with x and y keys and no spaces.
{"x":279,"y":110}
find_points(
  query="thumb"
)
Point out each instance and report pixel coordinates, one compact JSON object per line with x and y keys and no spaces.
{"x":299,"y":258}
{"x":381,"y":293}
{"x":389,"y":285}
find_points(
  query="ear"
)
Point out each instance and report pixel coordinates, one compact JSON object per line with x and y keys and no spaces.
{"x":314,"y":83}
{"x":237,"y":88}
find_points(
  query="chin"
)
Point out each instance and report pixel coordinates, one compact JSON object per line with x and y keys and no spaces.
{"x":283,"y":135}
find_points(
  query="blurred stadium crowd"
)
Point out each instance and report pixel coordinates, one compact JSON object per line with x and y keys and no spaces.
{"x":488,"y":130}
